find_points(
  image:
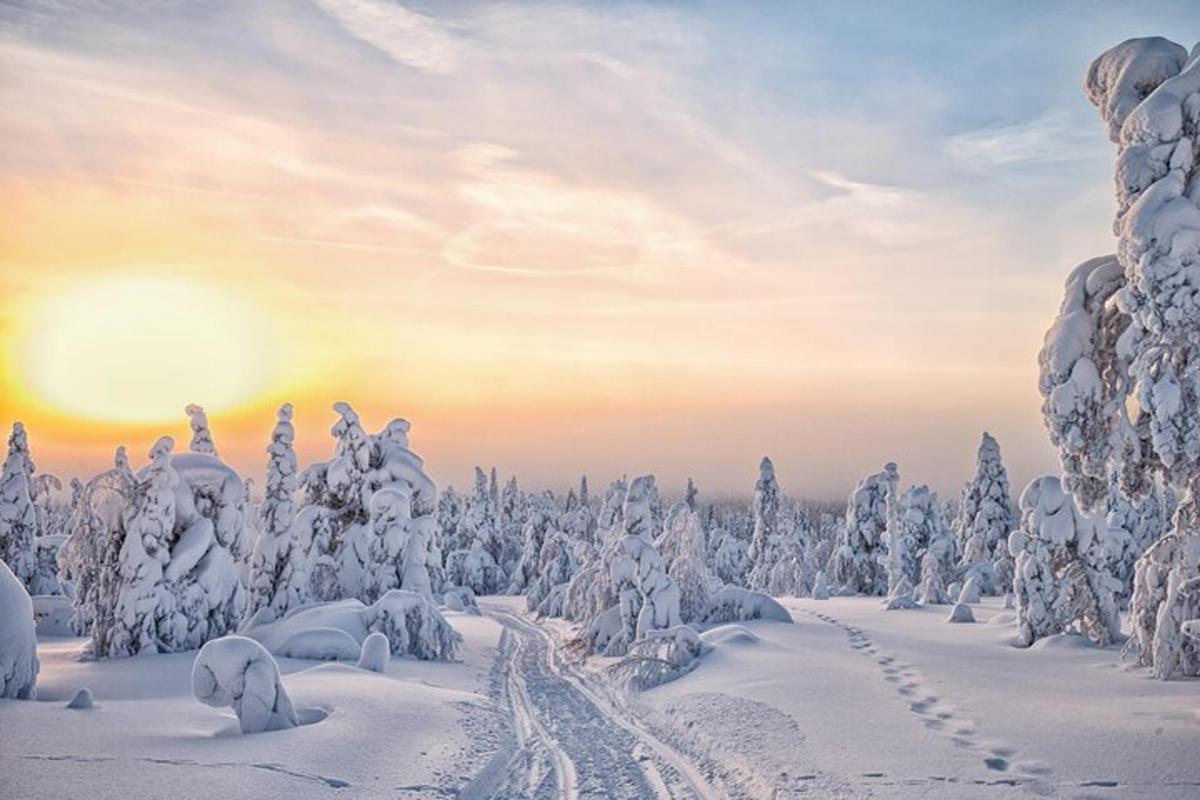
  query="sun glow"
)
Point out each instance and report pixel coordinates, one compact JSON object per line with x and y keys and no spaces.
{"x":138,"y":348}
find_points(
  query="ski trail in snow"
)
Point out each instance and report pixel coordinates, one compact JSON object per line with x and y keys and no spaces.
{"x":573,"y":736}
{"x":940,"y":716}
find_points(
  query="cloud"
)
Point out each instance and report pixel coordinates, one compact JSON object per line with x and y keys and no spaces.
{"x":1049,"y":139}
{"x":406,"y":36}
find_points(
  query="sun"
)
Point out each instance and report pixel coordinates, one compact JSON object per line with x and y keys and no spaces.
{"x":136,"y":349}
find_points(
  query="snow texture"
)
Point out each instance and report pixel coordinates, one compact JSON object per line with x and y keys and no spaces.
{"x":735,"y":604}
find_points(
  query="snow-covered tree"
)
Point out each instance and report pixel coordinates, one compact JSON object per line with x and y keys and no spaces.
{"x":18,"y":518}
{"x":476,"y":541}
{"x":1118,"y":367}
{"x":765,"y":543}
{"x":688,"y":564}
{"x":277,"y":580}
{"x":858,"y":565}
{"x":202,"y":441}
{"x":556,"y":565}
{"x":238,"y":672}
{"x":986,"y":517}
{"x":1061,"y":581}
{"x":647,"y":597}
{"x":144,"y":605}
{"x":917,"y":523}
{"x":931,"y":591}
{"x":729,"y":557}
{"x":541,"y":520}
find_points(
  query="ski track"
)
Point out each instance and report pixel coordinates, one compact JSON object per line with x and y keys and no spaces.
{"x":573,"y":736}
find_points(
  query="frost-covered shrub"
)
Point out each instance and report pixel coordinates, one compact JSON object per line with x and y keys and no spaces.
{"x":18,"y":518}
{"x":820,"y":589}
{"x":735,"y":604}
{"x":659,"y":657}
{"x":18,"y":639}
{"x":986,"y":517}
{"x":858,"y":565}
{"x":277,"y":579}
{"x":918,"y":524}
{"x":238,"y":672}
{"x":765,"y":542}
{"x":961,"y":613}
{"x":460,"y":598}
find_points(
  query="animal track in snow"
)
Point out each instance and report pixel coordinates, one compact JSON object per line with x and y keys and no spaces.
{"x":936,"y":715}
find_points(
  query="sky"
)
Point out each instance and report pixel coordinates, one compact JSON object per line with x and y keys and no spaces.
{"x":558,"y":238}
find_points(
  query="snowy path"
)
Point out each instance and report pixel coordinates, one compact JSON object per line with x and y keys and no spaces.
{"x":572,"y":736}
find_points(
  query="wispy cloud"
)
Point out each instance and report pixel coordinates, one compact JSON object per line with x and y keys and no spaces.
{"x":1053,"y":138}
{"x":404,"y":35}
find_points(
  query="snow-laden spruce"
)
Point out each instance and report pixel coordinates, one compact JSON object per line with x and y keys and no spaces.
{"x":18,"y":639}
{"x":684,"y":548}
{"x":659,"y":657}
{"x":647,"y":598}
{"x":541,"y":520}
{"x":237,"y":672}
{"x":202,"y":440}
{"x":476,"y":543}
{"x":765,"y":542}
{"x":1061,"y":581}
{"x":277,"y":578}
{"x":1118,"y":367}
{"x":919,"y":529}
{"x":986,"y":518}
{"x":858,"y":565}
{"x":18,"y":518}
{"x":334,"y":529}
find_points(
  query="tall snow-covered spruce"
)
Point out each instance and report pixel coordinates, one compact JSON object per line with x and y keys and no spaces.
{"x":277,"y":577}
{"x":765,"y":542}
{"x":986,"y":518}
{"x":1119,"y":367}
{"x":18,"y":517}
{"x":858,"y":565}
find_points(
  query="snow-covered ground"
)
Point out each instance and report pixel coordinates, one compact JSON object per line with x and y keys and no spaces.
{"x":850,"y":701}
{"x":419,"y":730}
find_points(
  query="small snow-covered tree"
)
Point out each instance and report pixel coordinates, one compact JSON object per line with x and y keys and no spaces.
{"x":858,"y":565}
{"x":18,"y":517}
{"x":202,"y":441}
{"x":18,"y":640}
{"x":986,"y":517}
{"x":556,"y":565}
{"x":931,"y":591}
{"x":688,"y":566}
{"x":765,"y":543}
{"x":472,"y":562}
{"x":729,"y":558}
{"x":277,"y":580}
{"x":238,"y":672}
{"x":540,"y":522}
{"x":917,"y":523}
{"x":1061,"y":581}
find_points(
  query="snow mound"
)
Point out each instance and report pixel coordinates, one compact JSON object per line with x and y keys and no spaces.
{"x":729,"y":636}
{"x":961,"y":613}
{"x":1062,"y":641}
{"x":658,"y":657}
{"x":18,"y":639}
{"x":321,"y":644}
{"x":460,"y":598}
{"x":1003,"y":618}
{"x":376,"y":653}
{"x":239,"y":672}
{"x":82,"y":700}
{"x":820,"y":589}
{"x":735,"y":604}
